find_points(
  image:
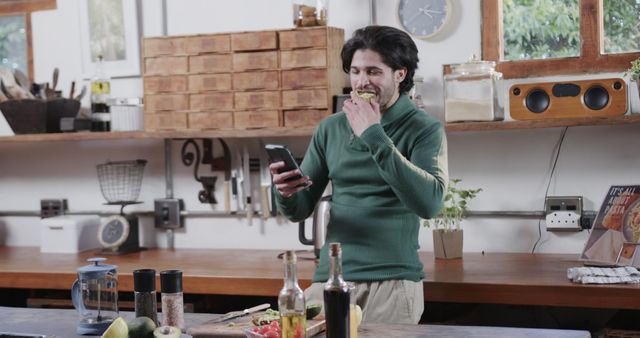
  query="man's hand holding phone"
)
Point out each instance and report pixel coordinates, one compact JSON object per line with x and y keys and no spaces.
{"x":287,"y":176}
{"x":288,"y":182}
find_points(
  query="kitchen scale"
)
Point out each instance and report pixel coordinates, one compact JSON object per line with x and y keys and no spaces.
{"x":120,"y":183}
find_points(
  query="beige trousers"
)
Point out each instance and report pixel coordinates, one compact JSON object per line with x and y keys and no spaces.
{"x":392,"y":301}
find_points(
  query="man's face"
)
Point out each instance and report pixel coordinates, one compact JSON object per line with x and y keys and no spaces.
{"x":369,"y":73}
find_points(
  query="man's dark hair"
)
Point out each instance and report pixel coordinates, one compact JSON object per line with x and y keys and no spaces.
{"x":396,"y":48}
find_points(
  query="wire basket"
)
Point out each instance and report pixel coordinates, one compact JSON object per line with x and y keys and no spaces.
{"x":120,"y":181}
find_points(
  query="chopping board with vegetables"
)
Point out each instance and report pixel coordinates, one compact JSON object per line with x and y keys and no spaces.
{"x":236,"y":327}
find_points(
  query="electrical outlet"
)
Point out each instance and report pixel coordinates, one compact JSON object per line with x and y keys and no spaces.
{"x":563,"y":213}
{"x":52,"y":207}
{"x":167,"y":213}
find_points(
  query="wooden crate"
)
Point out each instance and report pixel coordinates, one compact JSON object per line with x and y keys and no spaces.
{"x":301,"y":98}
{"x":210,"y":82}
{"x":256,"y":80}
{"x":165,"y":84}
{"x":166,"y":102}
{"x":210,"y":63}
{"x":213,"y":43}
{"x":304,"y":117}
{"x":248,"y":119}
{"x":255,"y":61}
{"x":165,"y":121}
{"x":306,"y":77}
{"x":300,"y":58}
{"x":152,"y":47}
{"x":210,"y":120}
{"x":307,"y":37}
{"x":257,"y":100}
{"x":258,"y":40}
{"x":212,"y":101}
{"x":166,"y":65}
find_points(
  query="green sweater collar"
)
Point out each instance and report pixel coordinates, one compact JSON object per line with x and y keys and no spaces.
{"x":401,"y":107}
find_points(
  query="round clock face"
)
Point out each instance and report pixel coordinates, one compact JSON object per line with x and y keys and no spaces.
{"x":113,"y":231}
{"x":423,"y":18}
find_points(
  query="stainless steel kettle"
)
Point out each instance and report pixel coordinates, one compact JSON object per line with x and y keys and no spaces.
{"x":319,"y":226}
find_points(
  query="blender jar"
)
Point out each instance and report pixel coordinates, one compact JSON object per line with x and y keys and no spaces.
{"x":95,"y":296}
{"x":470,"y":92}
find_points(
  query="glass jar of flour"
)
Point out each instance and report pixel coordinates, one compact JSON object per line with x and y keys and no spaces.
{"x":470,"y":92}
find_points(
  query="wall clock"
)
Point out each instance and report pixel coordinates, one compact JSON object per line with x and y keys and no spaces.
{"x":423,"y":18}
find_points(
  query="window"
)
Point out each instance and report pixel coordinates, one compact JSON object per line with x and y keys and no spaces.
{"x":551,"y":37}
{"x":15,"y":32}
{"x":13,"y":43}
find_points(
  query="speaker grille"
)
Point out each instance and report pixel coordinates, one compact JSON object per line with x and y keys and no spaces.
{"x":537,"y":101}
{"x":596,"y":98}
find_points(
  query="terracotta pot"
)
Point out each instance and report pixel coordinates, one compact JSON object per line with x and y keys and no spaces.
{"x":447,"y":244}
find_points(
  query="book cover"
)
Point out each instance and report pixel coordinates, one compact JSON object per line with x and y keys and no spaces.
{"x":615,"y":234}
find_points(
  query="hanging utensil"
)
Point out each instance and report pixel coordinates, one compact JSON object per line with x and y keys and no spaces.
{"x":247,"y":183}
{"x":265,"y":181}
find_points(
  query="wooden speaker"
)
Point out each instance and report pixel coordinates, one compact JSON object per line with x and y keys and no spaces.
{"x":556,"y":100}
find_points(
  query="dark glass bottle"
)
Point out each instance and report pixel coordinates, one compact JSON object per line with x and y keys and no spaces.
{"x":336,"y":296}
{"x":291,"y":303}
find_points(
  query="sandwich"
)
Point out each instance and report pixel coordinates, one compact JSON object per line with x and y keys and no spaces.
{"x":365,"y":94}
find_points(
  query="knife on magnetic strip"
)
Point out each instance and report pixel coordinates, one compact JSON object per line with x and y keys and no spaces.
{"x":265,"y":181}
{"x":246,"y":183}
{"x":226,"y":158}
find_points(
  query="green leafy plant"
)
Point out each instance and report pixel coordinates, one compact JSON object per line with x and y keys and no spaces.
{"x":634,"y":71}
{"x":455,"y":205}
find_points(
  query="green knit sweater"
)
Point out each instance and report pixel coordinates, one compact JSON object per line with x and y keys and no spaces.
{"x":382,"y":181}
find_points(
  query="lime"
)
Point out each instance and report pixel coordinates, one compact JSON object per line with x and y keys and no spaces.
{"x":117,"y":329}
{"x":167,"y":332}
{"x":141,"y":327}
{"x":313,"y":310}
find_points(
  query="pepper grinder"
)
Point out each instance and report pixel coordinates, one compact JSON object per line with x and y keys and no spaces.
{"x":144,"y":292}
{"x":171,"y":298}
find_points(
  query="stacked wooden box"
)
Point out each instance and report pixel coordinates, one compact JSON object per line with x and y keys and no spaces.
{"x":263,"y":79}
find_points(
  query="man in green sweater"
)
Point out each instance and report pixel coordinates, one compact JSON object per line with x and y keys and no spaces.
{"x":387,"y":164}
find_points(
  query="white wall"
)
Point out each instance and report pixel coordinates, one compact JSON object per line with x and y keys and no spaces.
{"x":512,"y":167}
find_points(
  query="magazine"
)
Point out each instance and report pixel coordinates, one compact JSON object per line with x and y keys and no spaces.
{"x":615,"y":235}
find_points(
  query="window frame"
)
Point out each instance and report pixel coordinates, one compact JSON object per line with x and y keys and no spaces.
{"x":592,"y":58}
{"x":24,"y":8}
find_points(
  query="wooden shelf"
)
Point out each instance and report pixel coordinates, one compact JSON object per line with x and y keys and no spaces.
{"x":132,"y":135}
{"x":308,"y":131}
{"x":550,"y":123}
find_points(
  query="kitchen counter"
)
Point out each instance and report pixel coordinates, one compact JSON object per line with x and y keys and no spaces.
{"x":62,"y":324}
{"x":492,"y":278}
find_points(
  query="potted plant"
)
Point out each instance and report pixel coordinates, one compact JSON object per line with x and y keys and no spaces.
{"x":634,"y":73}
{"x":447,"y":235}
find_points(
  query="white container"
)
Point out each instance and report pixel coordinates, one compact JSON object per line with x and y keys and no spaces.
{"x":470,"y":92}
{"x":126,"y":114}
{"x":69,"y":234}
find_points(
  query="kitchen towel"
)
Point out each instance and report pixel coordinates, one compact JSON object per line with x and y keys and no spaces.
{"x":595,"y":275}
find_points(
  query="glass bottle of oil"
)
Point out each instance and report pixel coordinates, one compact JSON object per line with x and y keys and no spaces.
{"x":100,"y":92}
{"x":336,"y":296}
{"x":291,"y":303}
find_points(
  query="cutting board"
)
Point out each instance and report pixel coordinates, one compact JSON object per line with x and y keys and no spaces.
{"x":226,"y":329}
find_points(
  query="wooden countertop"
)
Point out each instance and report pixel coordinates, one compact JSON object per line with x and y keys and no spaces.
{"x":493,"y":278}
{"x":62,"y":323}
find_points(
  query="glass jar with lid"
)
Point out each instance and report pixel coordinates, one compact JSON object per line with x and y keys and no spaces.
{"x":308,"y":13}
{"x":470,"y":92}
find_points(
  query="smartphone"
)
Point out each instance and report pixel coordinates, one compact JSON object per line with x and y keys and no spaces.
{"x":279,"y":152}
